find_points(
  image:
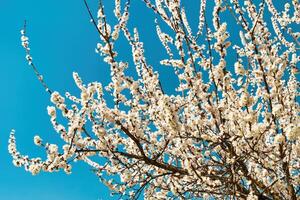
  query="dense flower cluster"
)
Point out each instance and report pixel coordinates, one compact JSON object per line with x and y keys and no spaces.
{"x":232,"y":128}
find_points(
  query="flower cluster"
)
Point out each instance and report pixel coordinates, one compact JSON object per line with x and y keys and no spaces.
{"x":25,"y":44}
{"x":231,"y":129}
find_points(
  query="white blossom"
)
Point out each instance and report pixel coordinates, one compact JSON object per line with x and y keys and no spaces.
{"x":37,"y":140}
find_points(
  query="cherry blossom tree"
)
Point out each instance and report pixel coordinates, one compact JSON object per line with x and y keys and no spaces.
{"x":229,"y":131}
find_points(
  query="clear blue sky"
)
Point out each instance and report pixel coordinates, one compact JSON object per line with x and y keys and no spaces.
{"x":62,"y":41}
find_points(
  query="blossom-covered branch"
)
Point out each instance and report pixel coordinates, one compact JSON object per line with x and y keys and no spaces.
{"x":231,"y":129}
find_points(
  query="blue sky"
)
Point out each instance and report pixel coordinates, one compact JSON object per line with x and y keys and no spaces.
{"x":62,"y":41}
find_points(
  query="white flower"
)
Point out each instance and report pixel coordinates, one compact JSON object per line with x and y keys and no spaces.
{"x":238,"y":68}
{"x":37,"y":140}
{"x":17,"y":163}
{"x":125,"y":177}
{"x":68,"y":169}
{"x":279,"y":139}
{"x":249,"y":118}
{"x":84,"y":96}
{"x":243,"y":39}
{"x":56,"y":98}
{"x":292,"y":133}
{"x":52,"y":148}
{"x":51,"y":111}
{"x":277,"y":109}
{"x":244,"y":99}
{"x":34,"y":169}
{"x":252,"y":196}
{"x":24,"y":38}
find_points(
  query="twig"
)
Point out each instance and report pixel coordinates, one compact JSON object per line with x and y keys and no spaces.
{"x":37,"y":73}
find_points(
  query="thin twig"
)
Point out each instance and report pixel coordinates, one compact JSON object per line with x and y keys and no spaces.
{"x":37,"y":73}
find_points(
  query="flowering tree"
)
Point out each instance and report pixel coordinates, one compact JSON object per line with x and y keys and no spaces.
{"x":229,"y":130}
